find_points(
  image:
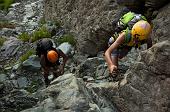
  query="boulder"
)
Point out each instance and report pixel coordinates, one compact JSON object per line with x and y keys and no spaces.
{"x":155,"y":4}
{"x":147,"y":86}
{"x":32,"y":63}
{"x":161,"y":25}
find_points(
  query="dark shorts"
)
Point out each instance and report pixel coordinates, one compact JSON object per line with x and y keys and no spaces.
{"x":48,"y":64}
{"x":120,"y":53}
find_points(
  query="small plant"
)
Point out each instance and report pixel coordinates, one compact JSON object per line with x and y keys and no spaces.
{"x":40,"y":33}
{"x":58,"y":23}
{"x":27,"y":55}
{"x":24,"y":37}
{"x":5,"y":4}
{"x":42,"y":21}
{"x":67,"y":38}
{"x":33,"y":87}
{"x":2,"y":40}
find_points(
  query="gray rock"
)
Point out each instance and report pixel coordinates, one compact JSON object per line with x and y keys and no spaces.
{"x":32,"y":63}
{"x":3,"y":77}
{"x":9,"y":47}
{"x":88,"y":67}
{"x":156,"y":4}
{"x":16,"y":66}
{"x":16,"y":12}
{"x":67,"y":93}
{"x":161,"y":25}
{"x":146,"y":87}
{"x":92,"y":27}
{"x":17,"y":100}
{"x":22,"y":82}
{"x":2,"y":15}
{"x":8,"y":32}
{"x":66,"y":48}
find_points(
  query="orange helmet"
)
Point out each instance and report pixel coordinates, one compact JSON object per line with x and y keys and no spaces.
{"x":52,"y":56}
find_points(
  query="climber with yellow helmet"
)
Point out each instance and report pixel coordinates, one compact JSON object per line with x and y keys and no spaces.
{"x":119,"y":46}
{"x":49,"y":59}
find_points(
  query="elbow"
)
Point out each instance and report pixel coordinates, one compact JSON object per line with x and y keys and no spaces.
{"x":106,"y":54}
{"x":65,"y":58}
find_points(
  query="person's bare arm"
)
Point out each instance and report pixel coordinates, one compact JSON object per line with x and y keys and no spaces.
{"x":42,"y":61}
{"x":108,"y":52}
{"x":43,"y":65}
{"x":65,"y":58}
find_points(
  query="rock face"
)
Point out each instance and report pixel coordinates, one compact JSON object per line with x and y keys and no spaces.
{"x":148,"y":3}
{"x":90,"y":21}
{"x":69,"y":94}
{"x":161,"y":25}
{"x":148,"y":83}
{"x":145,"y":87}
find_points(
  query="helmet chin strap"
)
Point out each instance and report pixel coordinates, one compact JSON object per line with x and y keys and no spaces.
{"x":136,"y":41}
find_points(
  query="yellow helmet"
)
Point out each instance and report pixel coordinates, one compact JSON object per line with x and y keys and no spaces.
{"x":141,"y":30}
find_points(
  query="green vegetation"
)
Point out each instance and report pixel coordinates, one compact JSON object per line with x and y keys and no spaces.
{"x":2,"y":40}
{"x":42,"y":21}
{"x":5,"y":4}
{"x":67,"y":38}
{"x":58,"y":23}
{"x":6,"y":24}
{"x":24,"y":37}
{"x":26,"y":55}
{"x":40,"y":33}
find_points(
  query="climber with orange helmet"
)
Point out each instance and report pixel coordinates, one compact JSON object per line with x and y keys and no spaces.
{"x":49,"y":59}
{"x":120,"y":46}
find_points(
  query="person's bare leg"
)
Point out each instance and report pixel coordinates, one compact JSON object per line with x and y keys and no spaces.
{"x":56,"y":72}
{"x":46,"y":74}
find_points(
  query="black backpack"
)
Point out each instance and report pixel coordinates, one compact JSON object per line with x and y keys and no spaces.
{"x":43,"y":46}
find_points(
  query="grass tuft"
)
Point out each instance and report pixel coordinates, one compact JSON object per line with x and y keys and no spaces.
{"x":5,"y":4}
{"x":24,"y":37}
{"x":67,"y":38}
{"x":2,"y":40}
{"x":40,"y":33}
{"x":27,"y":55}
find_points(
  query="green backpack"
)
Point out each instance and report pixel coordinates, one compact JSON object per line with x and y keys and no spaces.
{"x":128,"y":20}
{"x":126,"y":23}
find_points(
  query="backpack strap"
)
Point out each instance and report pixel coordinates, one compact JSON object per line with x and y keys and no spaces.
{"x":130,"y":42}
{"x":128,"y":35}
